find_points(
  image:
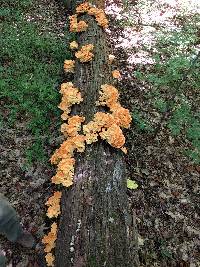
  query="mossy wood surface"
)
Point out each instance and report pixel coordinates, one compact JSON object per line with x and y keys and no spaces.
{"x":96,"y":226}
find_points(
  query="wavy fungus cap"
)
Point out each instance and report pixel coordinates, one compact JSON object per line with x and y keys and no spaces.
{"x":73,"y":45}
{"x":85,"y":54}
{"x":76,"y":26}
{"x":50,"y":238}
{"x":69,"y":66}
{"x":53,"y":204}
{"x":50,"y":259}
{"x":82,"y":8}
{"x":114,"y":136}
{"x":108,"y":95}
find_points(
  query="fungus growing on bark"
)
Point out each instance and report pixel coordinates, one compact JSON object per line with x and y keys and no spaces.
{"x":63,"y":157}
{"x":116,"y":74}
{"x":76,"y":26}
{"x":122,"y":116}
{"x":108,"y":95}
{"x":82,"y":26}
{"x":65,"y":172}
{"x":70,"y":96}
{"x":99,"y":14}
{"x":104,"y":125}
{"x":114,"y":136}
{"x":53,"y":204}
{"x":85,"y":54}
{"x":69,"y":66}
{"x":73,"y":45}
{"x":50,"y":259}
{"x":107,"y":125}
{"x":73,"y":126}
{"x":49,"y":239}
{"x":82,"y":8}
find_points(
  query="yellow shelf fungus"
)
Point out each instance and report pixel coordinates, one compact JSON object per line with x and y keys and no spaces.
{"x":50,"y":258}
{"x":116,"y":74}
{"x":63,"y":157}
{"x":69,"y":66}
{"x":106,"y":126}
{"x":109,"y":95}
{"x":73,"y":45}
{"x":49,"y":239}
{"x":82,"y":8}
{"x":76,"y":26}
{"x":53,"y":204}
{"x":85,"y":53}
{"x":122,"y":117}
{"x":73,"y":126}
{"x":99,"y":14}
{"x":70,"y":96}
{"x":114,"y":136}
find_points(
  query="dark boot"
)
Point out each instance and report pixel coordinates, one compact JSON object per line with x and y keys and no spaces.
{"x":3,"y":259}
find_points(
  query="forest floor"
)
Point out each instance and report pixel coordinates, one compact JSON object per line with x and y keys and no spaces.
{"x":167,"y":199}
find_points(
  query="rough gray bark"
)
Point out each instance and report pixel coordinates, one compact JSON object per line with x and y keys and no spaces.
{"x":96,"y":228}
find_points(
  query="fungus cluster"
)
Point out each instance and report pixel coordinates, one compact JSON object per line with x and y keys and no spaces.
{"x":69,"y":66}
{"x":116,"y":74}
{"x":106,"y":126}
{"x":70,"y":96}
{"x":73,"y":45}
{"x":53,"y":204}
{"x":76,"y":26}
{"x":85,"y":53}
{"x":98,"y":13}
{"x":49,"y":240}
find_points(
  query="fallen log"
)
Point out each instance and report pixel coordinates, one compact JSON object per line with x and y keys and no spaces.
{"x":96,"y":227}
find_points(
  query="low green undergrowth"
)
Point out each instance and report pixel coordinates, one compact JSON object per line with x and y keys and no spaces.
{"x":31,"y":70}
{"x":174,"y":81}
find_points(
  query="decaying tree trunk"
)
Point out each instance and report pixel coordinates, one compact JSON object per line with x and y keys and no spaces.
{"x":96,"y":228}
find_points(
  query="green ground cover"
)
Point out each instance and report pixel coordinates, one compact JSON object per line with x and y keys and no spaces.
{"x":175,"y":82}
{"x":31,"y":70}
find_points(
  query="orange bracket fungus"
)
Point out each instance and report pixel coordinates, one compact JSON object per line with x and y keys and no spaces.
{"x":85,"y":54}
{"x":107,"y":125}
{"x":70,"y":96}
{"x":73,"y":126}
{"x":69,"y":66}
{"x":99,"y":14}
{"x":53,"y":204}
{"x":76,"y":26}
{"x":116,"y":74}
{"x":82,"y":8}
{"x":73,"y":45}
{"x":49,"y":242}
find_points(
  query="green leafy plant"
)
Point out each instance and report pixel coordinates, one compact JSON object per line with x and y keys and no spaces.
{"x":31,"y":71}
{"x":175,"y":82}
